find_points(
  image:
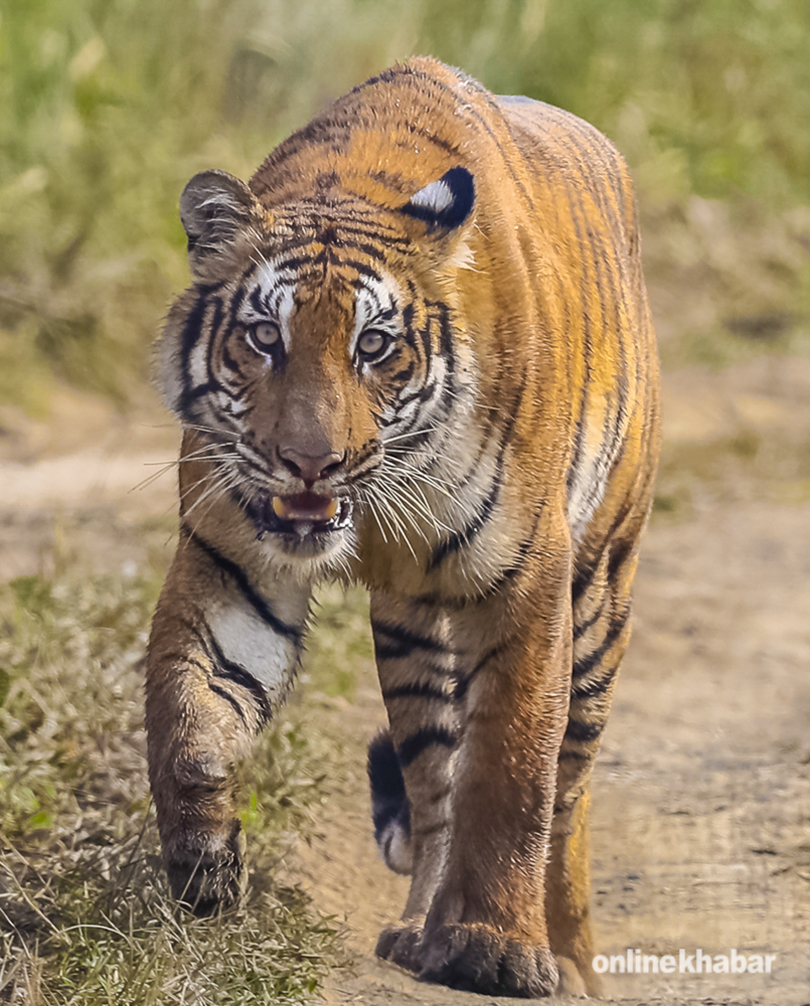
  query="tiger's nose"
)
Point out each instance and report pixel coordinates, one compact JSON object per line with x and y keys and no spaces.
{"x":307,"y":467}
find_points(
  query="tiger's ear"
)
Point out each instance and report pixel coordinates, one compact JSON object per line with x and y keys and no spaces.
{"x":445,"y":204}
{"x":214,"y":208}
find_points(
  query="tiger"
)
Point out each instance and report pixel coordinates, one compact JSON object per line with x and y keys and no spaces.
{"x":416,"y":354}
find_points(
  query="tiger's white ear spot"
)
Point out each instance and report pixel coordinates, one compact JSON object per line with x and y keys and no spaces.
{"x":444,"y":203}
{"x":435,"y":197}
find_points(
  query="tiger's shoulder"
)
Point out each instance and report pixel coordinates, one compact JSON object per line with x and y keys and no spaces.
{"x":396,"y":132}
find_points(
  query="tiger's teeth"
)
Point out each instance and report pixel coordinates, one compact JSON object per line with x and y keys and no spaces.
{"x":319,"y":510}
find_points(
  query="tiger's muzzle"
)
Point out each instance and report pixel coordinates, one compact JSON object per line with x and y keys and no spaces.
{"x":300,"y":517}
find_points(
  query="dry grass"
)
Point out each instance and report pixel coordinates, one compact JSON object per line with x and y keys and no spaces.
{"x":111,"y":107}
{"x":85,"y":915}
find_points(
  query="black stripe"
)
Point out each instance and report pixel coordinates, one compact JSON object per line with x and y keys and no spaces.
{"x":439,"y":795}
{"x":224,"y":694}
{"x":513,"y":571}
{"x":439,"y":141}
{"x":596,"y":686}
{"x":192,"y":330}
{"x":416,"y":690}
{"x":192,"y":394}
{"x":615,"y":629}
{"x":359,"y":267}
{"x":180,"y":657}
{"x":612,"y":446}
{"x":410,"y":749}
{"x":299,"y":260}
{"x":362,"y":228}
{"x":230,"y":362}
{"x":248,"y":591}
{"x":582,"y":732}
{"x":404,"y":376}
{"x":423,"y":395}
{"x":427,"y":345}
{"x":463,"y":684}
{"x":595,"y":153}
{"x":214,"y":326}
{"x":510,"y":573}
{"x":511,"y":410}
{"x":582,"y":628}
{"x":583,"y":580}
{"x":446,"y":340}
{"x":461,"y":539}
{"x":229,"y":670}
{"x":620,"y":551}
{"x":402,"y":642}
{"x":258,"y":304}
{"x":584,"y":577}
{"x":407,"y":325}
{"x":192,"y":630}
{"x":373,"y":252}
{"x":280,"y":284}
{"x":221,"y":667}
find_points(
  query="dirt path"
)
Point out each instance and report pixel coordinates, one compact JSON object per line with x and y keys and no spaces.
{"x":702,"y":790}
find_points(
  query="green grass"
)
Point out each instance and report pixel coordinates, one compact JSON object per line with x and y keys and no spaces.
{"x":85,"y":915}
{"x":742,"y":463}
{"x":341,"y":640}
{"x":109,"y":106}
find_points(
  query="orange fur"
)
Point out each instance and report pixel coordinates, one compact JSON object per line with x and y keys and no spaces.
{"x":426,"y":312}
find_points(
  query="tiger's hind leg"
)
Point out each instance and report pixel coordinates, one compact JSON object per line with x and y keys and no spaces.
{"x":390,"y":809}
{"x":601,"y":634}
{"x":410,"y":768}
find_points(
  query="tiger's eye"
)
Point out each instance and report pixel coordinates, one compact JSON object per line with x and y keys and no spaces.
{"x":372,"y":343}
{"x":264,"y":335}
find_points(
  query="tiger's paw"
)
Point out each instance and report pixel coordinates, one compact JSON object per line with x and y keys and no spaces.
{"x":473,"y":958}
{"x":399,"y":945}
{"x":476,"y":958}
{"x":207,"y":874}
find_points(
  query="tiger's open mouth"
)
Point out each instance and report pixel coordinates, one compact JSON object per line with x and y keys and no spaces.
{"x":301,"y":515}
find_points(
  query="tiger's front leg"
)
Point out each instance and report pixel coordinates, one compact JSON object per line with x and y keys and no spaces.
{"x":478,"y":702}
{"x":220,"y":658}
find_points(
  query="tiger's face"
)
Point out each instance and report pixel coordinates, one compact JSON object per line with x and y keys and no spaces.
{"x":310,"y":356}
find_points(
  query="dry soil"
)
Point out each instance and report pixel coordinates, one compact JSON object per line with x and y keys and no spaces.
{"x":701,"y":794}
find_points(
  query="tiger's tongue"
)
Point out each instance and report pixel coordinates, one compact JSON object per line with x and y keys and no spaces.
{"x":305,"y":506}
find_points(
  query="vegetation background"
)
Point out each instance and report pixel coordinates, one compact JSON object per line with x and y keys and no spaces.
{"x":107,"y":107}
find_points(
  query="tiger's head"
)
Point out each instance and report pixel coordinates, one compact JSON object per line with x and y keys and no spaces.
{"x":315,"y":353}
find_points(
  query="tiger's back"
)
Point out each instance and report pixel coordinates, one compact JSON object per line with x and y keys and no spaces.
{"x":560,"y":254}
{"x":417,"y":353}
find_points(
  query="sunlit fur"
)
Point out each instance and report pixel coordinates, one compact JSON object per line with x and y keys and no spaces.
{"x":496,"y":457}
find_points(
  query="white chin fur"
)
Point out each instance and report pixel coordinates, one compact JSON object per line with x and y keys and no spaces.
{"x":310,"y":560}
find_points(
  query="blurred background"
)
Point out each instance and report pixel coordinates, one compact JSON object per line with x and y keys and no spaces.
{"x":109,"y":106}
{"x":702,"y":792}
